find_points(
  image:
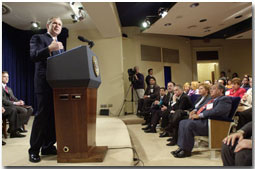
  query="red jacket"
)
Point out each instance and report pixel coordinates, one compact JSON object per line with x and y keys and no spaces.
{"x":238,"y":93}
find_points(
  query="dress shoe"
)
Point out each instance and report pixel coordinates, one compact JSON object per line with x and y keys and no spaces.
{"x":164,"y":134}
{"x":151,"y":130}
{"x":183,"y":154}
{"x":3,"y":143}
{"x":16,"y":134}
{"x":170,"y":139}
{"x":34,"y":158}
{"x":145,"y":123}
{"x":146,"y":128}
{"x":172,"y":143}
{"x":21,"y":130}
{"x":176,"y":151}
{"x":52,"y":151}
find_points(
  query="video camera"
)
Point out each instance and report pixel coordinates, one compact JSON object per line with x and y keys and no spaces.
{"x":131,"y":75}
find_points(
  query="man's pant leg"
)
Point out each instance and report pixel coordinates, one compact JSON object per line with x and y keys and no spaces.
{"x":24,"y":114}
{"x":11,"y":114}
{"x":43,"y":131}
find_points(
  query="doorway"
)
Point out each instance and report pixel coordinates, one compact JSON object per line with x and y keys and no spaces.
{"x":207,"y":70}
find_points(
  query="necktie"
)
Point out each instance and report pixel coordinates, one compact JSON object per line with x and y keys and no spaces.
{"x":6,"y":89}
{"x":203,"y":107}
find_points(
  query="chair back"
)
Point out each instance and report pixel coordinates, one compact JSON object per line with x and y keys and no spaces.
{"x":235,"y":103}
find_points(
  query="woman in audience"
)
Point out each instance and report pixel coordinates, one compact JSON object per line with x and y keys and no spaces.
{"x":194,"y":88}
{"x":229,"y":84}
{"x":186,"y":87}
{"x":236,"y":90}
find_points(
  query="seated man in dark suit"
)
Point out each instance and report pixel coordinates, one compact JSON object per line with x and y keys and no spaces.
{"x":14,"y":122}
{"x":197,"y":124}
{"x":9,"y":100}
{"x":237,"y":148}
{"x":181,"y":104}
{"x":160,"y":111}
{"x":151,"y":94}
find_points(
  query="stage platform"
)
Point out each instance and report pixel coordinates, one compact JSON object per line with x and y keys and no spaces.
{"x":110,"y":131}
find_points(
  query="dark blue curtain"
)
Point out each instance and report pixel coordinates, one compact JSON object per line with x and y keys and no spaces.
{"x":16,"y":60}
{"x":167,"y":75}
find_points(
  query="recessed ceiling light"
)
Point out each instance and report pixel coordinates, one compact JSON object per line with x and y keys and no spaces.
{"x":207,"y":30}
{"x":167,"y":24}
{"x":208,"y":27}
{"x":192,"y":26}
{"x":179,"y":17}
{"x":203,"y":20}
{"x":194,"y":5}
{"x":239,"y":16}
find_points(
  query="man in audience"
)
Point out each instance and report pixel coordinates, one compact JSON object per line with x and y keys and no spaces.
{"x":138,"y":86}
{"x":42,"y":46}
{"x":180,"y":105}
{"x":10,"y":113}
{"x":197,"y":124}
{"x":151,"y":94}
{"x":237,"y":147}
{"x":223,"y":76}
{"x":150,"y":74}
{"x":9,"y":100}
{"x":246,"y":83}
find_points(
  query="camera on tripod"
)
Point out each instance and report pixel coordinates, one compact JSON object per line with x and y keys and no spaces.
{"x":131,"y":75}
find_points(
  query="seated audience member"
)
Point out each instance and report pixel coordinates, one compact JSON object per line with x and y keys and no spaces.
{"x":10,"y":113}
{"x":194,"y":88}
{"x":150,"y":74}
{"x":160,"y":111}
{"x":9,"y":100}
{"x":186,"y":87}
{"x":222,"y":82}
{"x":180,"y":105}
{"x":209,"y":82}
{"x":246,"y":115}
{"x":155,"y":105}
{"x":234,"y":75}
{"x":223,"y":76}
{"x":197,"y":124}
{"x":237,"y":147}
{"x":236,"y":90}
{"x":229,"y":84}
{"x":151,"y":94}
{"x":3,"y":143}
{"x":246,"y":83}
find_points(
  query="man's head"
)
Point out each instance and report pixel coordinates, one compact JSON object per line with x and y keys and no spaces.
{"x":152,"y":81}
{"x":204,"y":89}
{"x":162,"y":91}
{"x":136,"y":69}
{"x":150,"y":71}
{"x":209,"y":82}
{"x":54,"y":26}
{"x":170,"y":86}
{"x":222,"y":82}
{"x":222,"y":74}
{"x":178,"y":90}
{"x":5,"y":77}
{"x":217,"y":90}
{"x":245,"y":80}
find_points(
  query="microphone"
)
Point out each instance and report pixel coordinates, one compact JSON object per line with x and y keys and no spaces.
{"x":91,"y":43}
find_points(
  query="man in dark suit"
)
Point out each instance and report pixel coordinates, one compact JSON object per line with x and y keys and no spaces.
{"x":151,"y":94}
{"x":179,"y":107}
{"x":11,"y":103}
{"x":158,"y":112}
{"x":42,"y":46}
{"x":237,"y":148}
{"x":148,"y":77}
{"x":219,"y":106}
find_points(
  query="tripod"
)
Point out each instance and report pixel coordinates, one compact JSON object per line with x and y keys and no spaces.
{"x":125,"y":99}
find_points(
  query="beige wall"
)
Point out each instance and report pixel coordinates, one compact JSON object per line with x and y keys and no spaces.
{"x":234,"y":55}
{"x":204,"y":71}
{"x":110,"y":58}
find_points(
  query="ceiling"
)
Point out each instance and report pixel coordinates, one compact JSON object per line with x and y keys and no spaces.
{"x":109,"y":17}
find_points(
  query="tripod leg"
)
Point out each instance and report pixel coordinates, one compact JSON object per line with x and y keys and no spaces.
{"x":124,"y":101}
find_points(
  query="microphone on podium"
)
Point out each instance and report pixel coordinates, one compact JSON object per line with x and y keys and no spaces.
{"x":91,"y":43}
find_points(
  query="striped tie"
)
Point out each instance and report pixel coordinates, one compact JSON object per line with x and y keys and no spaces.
{"x":203,"y":107}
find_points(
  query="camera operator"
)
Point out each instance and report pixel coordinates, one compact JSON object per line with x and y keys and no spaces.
{"x":138,"y":83}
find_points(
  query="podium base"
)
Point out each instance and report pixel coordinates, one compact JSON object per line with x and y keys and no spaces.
{"x":97,"y":154}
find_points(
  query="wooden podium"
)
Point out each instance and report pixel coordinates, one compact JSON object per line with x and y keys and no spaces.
{"x":74,"y":77}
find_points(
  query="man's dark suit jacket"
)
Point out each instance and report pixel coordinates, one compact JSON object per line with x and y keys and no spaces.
{"x":39,"y":53}
{"x":221,"y":108}
{"x":155,"y":94}
{"x":8,"y":98}
{"x":183,"y":103}
{"x":247,"y":128}
{"x":205,"y":100}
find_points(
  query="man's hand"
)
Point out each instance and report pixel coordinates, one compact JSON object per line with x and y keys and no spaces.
{"x":19,"y":103}
{"x":22,"y":102}
{"x":145,"y":96}
{"x":172,"y":111}
{"x":174,"y":98}
{"x":54,"y":46}
{"x":191,"y":113}
{"x":232,"y":138}
{"x":156,"y":102}
{"x":163,"y":108}
{"x":194,"y":116}
{"x":243,"y":144}
{"x":136,"y":77}
{"x":3,"y":110}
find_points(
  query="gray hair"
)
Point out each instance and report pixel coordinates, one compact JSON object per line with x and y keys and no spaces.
{"x":50,"y":19}
{"x":221,"y":87}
